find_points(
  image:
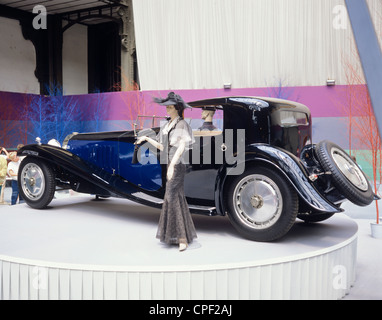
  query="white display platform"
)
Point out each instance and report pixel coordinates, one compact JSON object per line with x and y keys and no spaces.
{"x":80,"y":248}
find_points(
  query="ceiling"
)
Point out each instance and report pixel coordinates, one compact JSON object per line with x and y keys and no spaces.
{"x":71,"y":9}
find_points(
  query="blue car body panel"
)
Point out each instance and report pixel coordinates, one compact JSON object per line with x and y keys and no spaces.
{"x":115,"y":157}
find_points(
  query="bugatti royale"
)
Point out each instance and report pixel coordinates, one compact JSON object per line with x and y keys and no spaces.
{"x":258,"y":166}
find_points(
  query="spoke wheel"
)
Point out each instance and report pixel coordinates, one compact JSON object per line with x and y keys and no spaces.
{"x":349,"y":169}
{"x":261,"y":204}
{"x":258,"y":201}
{"x":36,"y":182}
{"x":347,"y":176}
{"x":33,"y":185}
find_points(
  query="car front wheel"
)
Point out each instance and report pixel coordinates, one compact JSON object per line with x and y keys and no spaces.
{"x":261,"y":204}
{"x":36,"y":183}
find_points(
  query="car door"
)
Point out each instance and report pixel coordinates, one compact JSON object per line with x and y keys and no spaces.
{"x":205,"y":159}
{"x":147,"y":172}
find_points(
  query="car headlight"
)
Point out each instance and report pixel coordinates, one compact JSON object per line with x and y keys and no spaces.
{"x":54,"y":142}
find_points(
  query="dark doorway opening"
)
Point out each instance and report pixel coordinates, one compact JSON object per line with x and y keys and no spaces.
{"x":104,"y":57}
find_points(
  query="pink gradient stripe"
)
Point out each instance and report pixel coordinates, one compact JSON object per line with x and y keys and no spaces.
{"x":323,"y":101}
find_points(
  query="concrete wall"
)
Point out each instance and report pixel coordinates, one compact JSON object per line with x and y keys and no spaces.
{"x":17,"y":59}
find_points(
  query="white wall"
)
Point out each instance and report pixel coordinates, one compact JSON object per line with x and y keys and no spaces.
{"x":198,"y":44}
{"x":17,"y":59}
{"x":75,"y":60}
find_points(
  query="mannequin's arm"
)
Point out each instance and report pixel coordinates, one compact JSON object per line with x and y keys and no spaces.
{"x":156,"y":144}
{"x":175,"y":159}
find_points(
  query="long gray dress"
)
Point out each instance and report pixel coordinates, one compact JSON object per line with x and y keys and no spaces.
{"x":175,"y":221}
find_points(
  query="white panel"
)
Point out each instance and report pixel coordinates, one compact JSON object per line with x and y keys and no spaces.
{"x":197,"y":285}
{"x":287,"y":281}
{"x":200,"y":44}
{"x":157,"y":286}
{"x":15,"y":281}
{"x":278,"y":272}
{"x":233,"y":283}
{"x":75,"y":285}
{"x":43,"y":283}
{"x":170,"y":292}
{"x":33,"y":282}
{"x":54,"y":282}
{"x":305,"y":280}
{"x":98,"y":285}
{"x":87,"y":285}
{"x":244,"y":283}
{"x":254,"y":280}
{"x":64,"y":284}
{"x":24,"y":282}
{"x":110,"y":286}
{"x":318,"y":278}
{"x":184,"y":285}
{"x":122,"y":286}
{"x":221,"y":284}
{"x":210,"y":285}
{"x":326,"y":287}
{"x":1,"y":280}
{"x":296,"y":284}
{"x":133,"y":286}
{"x":145,"y":286}
{"x":265,"y":283}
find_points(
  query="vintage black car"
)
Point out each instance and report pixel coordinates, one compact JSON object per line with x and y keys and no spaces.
{"x":259,"y":167}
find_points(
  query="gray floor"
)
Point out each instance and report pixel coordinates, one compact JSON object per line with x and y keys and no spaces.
{"x":368,"y":283}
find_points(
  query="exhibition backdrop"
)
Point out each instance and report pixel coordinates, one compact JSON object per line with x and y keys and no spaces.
{"x":23,"y":117}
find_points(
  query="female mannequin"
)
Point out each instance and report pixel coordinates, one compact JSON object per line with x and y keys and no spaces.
{"x":175,"y":223}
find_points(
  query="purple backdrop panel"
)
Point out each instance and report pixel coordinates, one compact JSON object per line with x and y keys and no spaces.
{"x":323,"y":101}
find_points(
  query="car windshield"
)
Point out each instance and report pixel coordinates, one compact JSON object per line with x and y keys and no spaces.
{"x":199,"y":119}
{"x":147,"y":122}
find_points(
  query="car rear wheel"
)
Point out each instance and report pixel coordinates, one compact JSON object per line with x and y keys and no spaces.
{"x":262,"y":205}
{"x":36,"y":183}
{"x":347,"y":176}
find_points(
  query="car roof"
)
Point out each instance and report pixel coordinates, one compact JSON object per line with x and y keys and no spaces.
{"x":260,"y":101}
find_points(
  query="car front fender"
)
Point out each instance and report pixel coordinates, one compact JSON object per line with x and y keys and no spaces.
{"x":83,"y":170}
{"x":288,"y":165}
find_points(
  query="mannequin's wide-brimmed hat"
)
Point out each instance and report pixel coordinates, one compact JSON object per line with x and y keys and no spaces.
{"x":172,"y":99}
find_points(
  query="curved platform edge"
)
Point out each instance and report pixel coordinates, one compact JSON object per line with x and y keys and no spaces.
{"x":82,"y":249}
{"x":325,"y":275}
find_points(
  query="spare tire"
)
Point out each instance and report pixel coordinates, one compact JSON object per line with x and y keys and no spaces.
{"x":347,"y":176}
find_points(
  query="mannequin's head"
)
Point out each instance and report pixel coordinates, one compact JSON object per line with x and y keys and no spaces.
{"x":174,"y":100}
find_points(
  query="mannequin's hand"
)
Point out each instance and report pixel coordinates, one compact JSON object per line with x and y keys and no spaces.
{"x":170,"y":172}
{"x":140,"y":140}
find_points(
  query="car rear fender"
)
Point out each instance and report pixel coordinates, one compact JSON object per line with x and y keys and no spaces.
{"x":285,"y":163}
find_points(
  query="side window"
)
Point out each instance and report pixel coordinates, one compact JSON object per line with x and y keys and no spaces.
{"x":293,"y":118}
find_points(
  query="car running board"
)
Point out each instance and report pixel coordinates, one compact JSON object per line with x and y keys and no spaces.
{"x":156,"y":202}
